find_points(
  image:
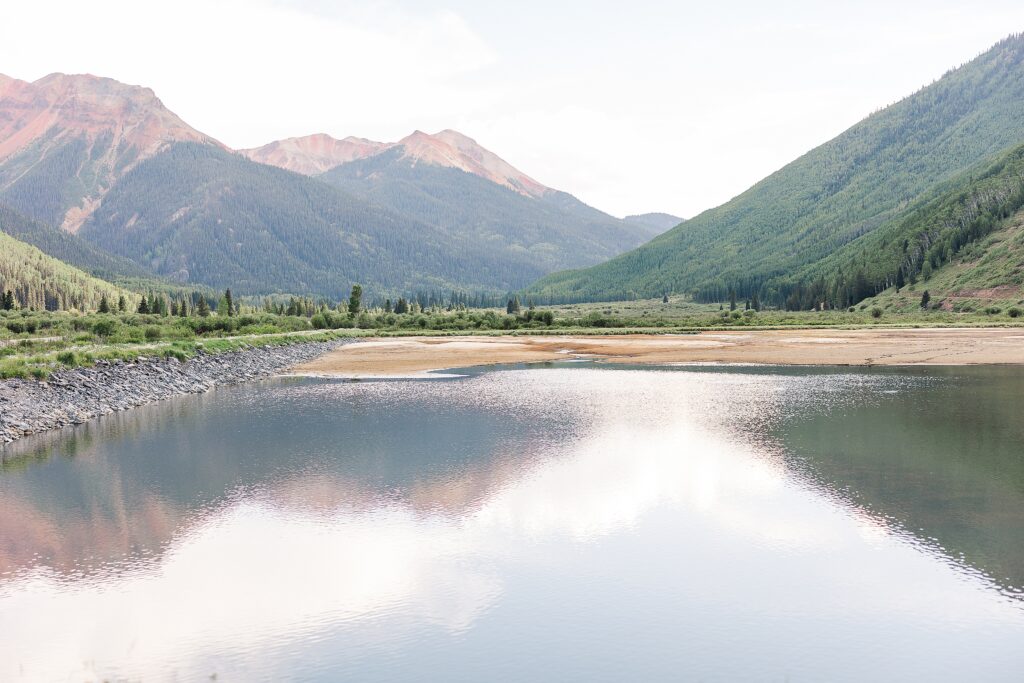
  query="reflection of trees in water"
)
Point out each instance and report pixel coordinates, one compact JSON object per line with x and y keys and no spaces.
{"x":941,"y":462}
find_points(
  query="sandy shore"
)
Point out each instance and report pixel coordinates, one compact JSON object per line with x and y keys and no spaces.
{"x":413,"y":356}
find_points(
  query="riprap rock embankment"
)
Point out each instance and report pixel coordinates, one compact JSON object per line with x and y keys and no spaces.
{"x":73,"y":396}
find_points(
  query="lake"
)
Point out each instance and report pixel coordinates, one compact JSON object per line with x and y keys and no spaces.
{"x":560,"y":522}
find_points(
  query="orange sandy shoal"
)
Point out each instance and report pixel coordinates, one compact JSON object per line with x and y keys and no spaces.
{"x":411,"y":356}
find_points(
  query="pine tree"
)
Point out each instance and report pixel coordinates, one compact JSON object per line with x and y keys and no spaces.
{"x":144,"y":305}
{"x":355,"y":300}
{"x":387,"y":306}
{"x":229,"y":302}
{"x":122,"y":304}
{"x":104,"y":304}
{"x":756,"y":303}
{"x":664,"y":299}
{"x":925,"y":299}
{"x":732,"y":299}
{"x":203,"y":308}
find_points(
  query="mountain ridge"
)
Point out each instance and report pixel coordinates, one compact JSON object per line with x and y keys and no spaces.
{"x":66,"y":139}
{"x":319,"y":153}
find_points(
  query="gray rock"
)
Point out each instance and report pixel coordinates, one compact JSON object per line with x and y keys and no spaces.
{"x":77,"y":395}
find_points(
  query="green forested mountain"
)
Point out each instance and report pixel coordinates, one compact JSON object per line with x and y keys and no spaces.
{"x":195,"y":213}
{"x":532,"y":234}
{"x":870,"y":175}
{"x":42,"y":282}
{"x":69,"y":248}
{"x":944,"y":227}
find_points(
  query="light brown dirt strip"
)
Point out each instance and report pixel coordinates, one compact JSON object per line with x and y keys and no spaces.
{"x":413,"y":356}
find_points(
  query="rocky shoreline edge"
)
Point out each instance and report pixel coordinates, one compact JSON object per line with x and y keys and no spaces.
{"x":76,"y":395}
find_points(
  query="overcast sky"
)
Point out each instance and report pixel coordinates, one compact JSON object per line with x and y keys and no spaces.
{"x":633,"y":106}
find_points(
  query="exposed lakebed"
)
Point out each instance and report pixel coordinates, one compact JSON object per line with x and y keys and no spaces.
{"x":568,"y":521}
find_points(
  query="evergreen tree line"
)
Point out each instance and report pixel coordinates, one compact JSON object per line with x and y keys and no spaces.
{"x":898,"y":254}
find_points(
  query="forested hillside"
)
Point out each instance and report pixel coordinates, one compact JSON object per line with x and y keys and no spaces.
{"x":986,"y":276}
{"x":535,"y":235}
{"x":198,"y":214}
{"x":871,"y":174}
{"x":41,"y":282}
{"x":935,"y":233}
{"x":69,"y":248}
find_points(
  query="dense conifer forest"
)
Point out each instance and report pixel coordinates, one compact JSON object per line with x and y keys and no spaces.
{"x":30,"y":279}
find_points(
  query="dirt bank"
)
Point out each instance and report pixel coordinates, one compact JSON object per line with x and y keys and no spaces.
{"x":411,"y":356}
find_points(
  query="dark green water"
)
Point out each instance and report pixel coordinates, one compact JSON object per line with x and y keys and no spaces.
{"x":569,"y":522}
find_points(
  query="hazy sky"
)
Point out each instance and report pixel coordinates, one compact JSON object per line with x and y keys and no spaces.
{"x":632,"y":106}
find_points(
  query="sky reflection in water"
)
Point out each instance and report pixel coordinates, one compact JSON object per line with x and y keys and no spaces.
{"x":532,"y":523}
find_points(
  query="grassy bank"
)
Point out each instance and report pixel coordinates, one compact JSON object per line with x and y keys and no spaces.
{"x":38,"y":359}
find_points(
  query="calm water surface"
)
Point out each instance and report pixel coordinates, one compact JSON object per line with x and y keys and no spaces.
{"x":567,"y":522}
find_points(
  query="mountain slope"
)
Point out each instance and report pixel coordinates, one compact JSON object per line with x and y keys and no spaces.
{"x":827,"y":198}
{"x":470,"y":194}
{"x":42,"y":282}
{"x":987,"y":275}
{"x":535,"y":234}
{"x":66,"y":139}
{"x":968,"y":227}
{"x":69,"y":248}
{"x":195,"y":213}
{"x":451,"y":149}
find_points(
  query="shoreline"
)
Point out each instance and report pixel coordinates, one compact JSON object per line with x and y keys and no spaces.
{"x":423,"y":357}
{"x":75,"y":396}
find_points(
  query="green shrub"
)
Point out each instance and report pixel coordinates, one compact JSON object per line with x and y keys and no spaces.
{"x":67,"y":358}
{"x":993,"y":310}
{"x":104,"y":328}
{"x":1013,"y":312}
{"x":876,"y":312}
{"x":153,"y":333}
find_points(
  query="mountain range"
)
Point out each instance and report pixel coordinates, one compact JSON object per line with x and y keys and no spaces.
{"x":103,"y":175}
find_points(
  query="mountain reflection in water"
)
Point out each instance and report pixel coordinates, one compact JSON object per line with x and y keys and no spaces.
{"x":553,"y":523}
